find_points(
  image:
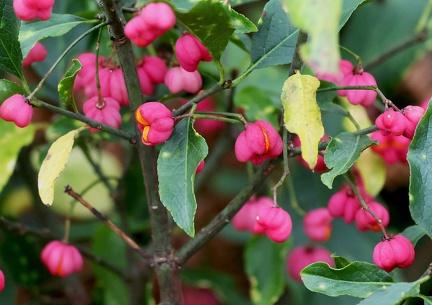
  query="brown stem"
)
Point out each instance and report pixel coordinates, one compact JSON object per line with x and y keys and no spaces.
{"x":167,"y":272}
{"x":68,"y":190}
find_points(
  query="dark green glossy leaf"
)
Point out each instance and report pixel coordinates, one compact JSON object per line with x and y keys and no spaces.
{"x":265,"y":268}
{"x":275,"y":41}
{"x":210,"y":22}
{"x":394,"y":294}
{"x":358,"y":279}
{"x":419,"y":159}
{"x":9,"y":88}
{"x":257,"y":105}
{"x":177,"y":163}
{"x":10,"y":52}
{"x":341,"y":153}
{"x":65,"y":86}
{"x":57,"y":25}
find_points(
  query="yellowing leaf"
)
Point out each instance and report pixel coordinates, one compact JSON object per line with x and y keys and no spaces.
{"x":320,"y":19}
{"x":302,"y":115}
{"x":53,"y":164}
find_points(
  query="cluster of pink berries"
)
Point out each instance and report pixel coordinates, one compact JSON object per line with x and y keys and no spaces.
{"x":261,"y":216}
{"x":258,"y":142}
{"x":353,"y":76}
{"x":61,"y":259}
{"x":27,"y":10}
{"x":396,"y":131}
{"x":153,"y":21}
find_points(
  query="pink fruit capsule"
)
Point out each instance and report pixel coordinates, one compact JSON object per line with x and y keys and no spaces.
{"x":61,"y":259}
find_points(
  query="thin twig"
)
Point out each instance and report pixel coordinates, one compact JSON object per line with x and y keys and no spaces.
{"x":79,"y":117}
{"x":68,"y":190}
{"x":364,"y":205}
{"x":202,"y":96}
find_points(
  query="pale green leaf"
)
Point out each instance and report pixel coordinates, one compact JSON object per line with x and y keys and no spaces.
{"x":57,"y":25}
{"x":65,"y":86}
{"x":176,"y":166}
{"x":358,"y":279}
{"x":420,"y":162}
{"x":265,"y":268}
{"x":302,"y":115}
{"x":53,"y":164}
{"x":10,"y":52}
{"x":320,"y":19}
{"x":394,"y":294}
{"x":341,"y":153}
{"x":12,"y":139}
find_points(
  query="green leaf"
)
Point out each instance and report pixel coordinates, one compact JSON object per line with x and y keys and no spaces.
{"x":177,"y":163}
{"x":9,"y":88}
{"x":54,"y":163}
{"x":358,"y":279}
{"x":414,"y":233}
{"x":12,"y":139}
{"x":65,"y":86}
{"x":394,"y":294}
{"x":112,"y":249}
{"x":340,"y":261}
{"x":275,"y":41}
{"x":241,"y":23}
{"x":10,"y":52}
{"x":320,"y":19}
{"x":265,"y":268}
{"x":257,"y":105}
{"x":57,"y":25}
{"x":341,"y":153}
{"x":348,"y":7}
{"x":302,"y":115}
{"x":420,"y":162}
{"x":210,"y":22}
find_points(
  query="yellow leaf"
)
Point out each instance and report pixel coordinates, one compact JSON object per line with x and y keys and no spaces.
{"x":53,"y":164}
{"x":302,"y":115}
{"x":320,"y":19}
